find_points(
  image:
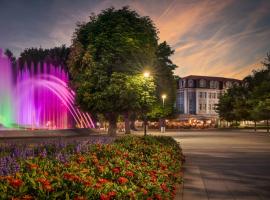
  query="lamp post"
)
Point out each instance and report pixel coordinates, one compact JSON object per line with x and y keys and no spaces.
{"x":164,"y":96}
{"x":146,"y":74}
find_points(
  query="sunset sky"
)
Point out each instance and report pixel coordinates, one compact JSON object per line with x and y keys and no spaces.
{"x":217,"y":37}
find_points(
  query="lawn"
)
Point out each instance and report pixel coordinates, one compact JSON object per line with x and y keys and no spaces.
{"x":130,"y":167}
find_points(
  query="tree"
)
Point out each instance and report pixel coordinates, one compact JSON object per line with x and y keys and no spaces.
{"x":11,"y":57}
{"x":56,"y":56}
{"x":104,"y":50}
{"x":249,"y":101}
{"x":165,"y":82}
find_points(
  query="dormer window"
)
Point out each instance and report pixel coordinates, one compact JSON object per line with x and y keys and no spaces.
{"x":228,"y":84}
{"x":202,"y":83}
{"x":214,"y":84}
{"x":190,"y":83}
{"x":236,"y":83}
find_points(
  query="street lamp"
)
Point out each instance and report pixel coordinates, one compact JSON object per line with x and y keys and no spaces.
{"x":146,"y":74}
{"x":164,"y":96}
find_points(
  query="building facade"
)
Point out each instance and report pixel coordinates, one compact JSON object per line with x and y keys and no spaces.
{"x":197,"y":96}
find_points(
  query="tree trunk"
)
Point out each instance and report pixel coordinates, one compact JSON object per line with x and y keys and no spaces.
{"x":127,"y":123}
{"x":267,"y":125}
{"x":132,"y":125}
{"x":255,"y":126}
{"x":132,"y":118}
{"x":112,"y":118}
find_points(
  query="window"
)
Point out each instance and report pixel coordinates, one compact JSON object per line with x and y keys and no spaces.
{"x":209,"y":106}
{"x":184,"y":83}
{"x":210,"y":95}
{"x":200,"y":106}
{"x":205,"y":94}
{"x":202,"y":83}
{"x":214,"y":95}
{"x":228,"y":84}
{"x":204,"y":106}
{"x":190,"y":83}
{"x":236,"y":83}
{"x":216,"y":84}
{"x":201,"y":95}
{"x":212,"y":84}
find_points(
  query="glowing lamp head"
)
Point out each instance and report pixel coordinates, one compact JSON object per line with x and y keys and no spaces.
{"x":164,"y":96}
{"x":146,"y":74}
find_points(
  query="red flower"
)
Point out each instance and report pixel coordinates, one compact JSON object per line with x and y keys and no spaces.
{"x":81,"y":159}
{"x":71,"y":177}
{"x":104,"y":197}
{"x":45,"y":184}
{"x":100,"y":168}
{"x":122,"y":180}
{"x":144,"y":191}
{"x":158,"y":197}
{"x":163,"y":167}
{"x":16,"y":183}
{"x":103,"y":180}
{"x":98,"y":185}
{"x":112,"y":194}
{"x":33,"y":166}
{"x":127,"y":162}
{"x":164,"y":187}
{"x":87,"y":183}
{"x":129,"y":173}
{"x":116,"y":170}
{"x":144,"y":164}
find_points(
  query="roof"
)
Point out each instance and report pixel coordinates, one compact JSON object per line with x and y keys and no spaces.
{"x":210,"y":78}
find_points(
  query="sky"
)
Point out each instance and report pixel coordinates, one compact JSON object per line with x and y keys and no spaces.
{"x":226,"y":38}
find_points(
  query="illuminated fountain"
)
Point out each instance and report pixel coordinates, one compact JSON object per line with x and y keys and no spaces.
{"x":6,"y":90}
{"x":39,"y":98}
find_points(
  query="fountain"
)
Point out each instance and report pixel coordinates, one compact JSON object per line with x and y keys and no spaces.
{"x":39,"y":98}
{"x":6,"y":90}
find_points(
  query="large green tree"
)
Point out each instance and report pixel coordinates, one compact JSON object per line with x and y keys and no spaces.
{"x":111,"y":45}
{"x":249,"y":101}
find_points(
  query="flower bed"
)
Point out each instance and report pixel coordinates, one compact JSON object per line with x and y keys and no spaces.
{"x":130,"y":168}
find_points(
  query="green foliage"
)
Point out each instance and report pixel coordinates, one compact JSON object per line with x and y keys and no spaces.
{"x":57,"y":56}
{"x":122,"y":93}
{"x":165,"y":81}
{"x":249,"y":101}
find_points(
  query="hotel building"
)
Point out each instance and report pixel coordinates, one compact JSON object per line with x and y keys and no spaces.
{"x":197,"y":96}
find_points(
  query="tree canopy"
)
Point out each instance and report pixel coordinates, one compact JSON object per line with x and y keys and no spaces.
{"x":250,"y":100}
{"x":108,"y":57}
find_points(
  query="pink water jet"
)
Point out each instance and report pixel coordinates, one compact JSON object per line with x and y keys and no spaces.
{"x":39,"y":98}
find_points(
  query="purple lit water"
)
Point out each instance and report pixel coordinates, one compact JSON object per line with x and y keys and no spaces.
{"x":38,"y":99}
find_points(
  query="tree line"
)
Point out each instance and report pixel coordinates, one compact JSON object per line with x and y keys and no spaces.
{"x":250,"y":100}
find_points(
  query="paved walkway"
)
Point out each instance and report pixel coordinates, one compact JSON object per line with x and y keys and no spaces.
{"x":225,"y":165}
